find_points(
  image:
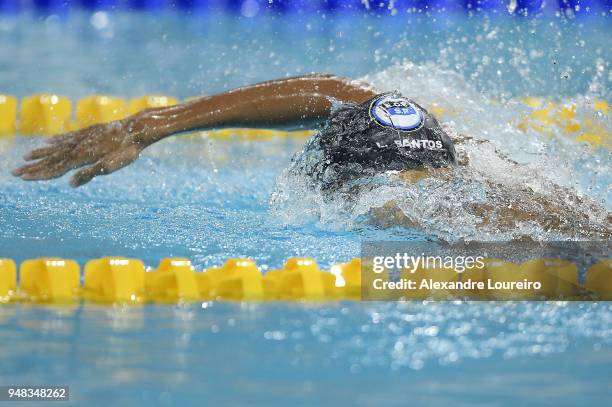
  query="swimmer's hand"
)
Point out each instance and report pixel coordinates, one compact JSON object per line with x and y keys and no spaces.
{"x":105,"y":148}
{"x":98,"y":150}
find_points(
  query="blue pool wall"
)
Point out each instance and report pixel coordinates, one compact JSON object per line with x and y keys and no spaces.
{"x":253,"y":8}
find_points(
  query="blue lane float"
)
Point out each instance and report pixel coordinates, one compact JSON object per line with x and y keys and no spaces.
{"x":342,"y":5}
{"x":443,"y":6}
{"x":248,"y":7}
{"x":196,"y":5}
{"x":585,"y":7}
{"x":147,"y":4}
{"x":292,"y":6}
{"x":99,"y":4}
{"x":485,"y":6}
{"x":10,"y":7}
{"x":252,"y":8}
{"x":529,"y":7}
{"x":55,"y":6}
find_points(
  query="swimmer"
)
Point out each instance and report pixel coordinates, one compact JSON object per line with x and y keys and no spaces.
{"x":362,"y":133}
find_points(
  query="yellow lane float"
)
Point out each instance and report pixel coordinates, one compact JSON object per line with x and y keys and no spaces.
{"x":549,"y":118}
{"x":49,"y":114}
{"x":301,"y":279}
{"x":173,"y":281}
{"x":114,"y":280}
{"x":119,"y":280}
{"x":151,"y":101}
{"x":559,"y":278}
{"x":99,"y":109}
{"x":8,"y":279}
{"x":45,"y":114}
{"x":8,"y":115}
{"x":348,"y":278}
{"x":50,"y":279}
{"x":238,"y":279}
{"x":599,"y":280}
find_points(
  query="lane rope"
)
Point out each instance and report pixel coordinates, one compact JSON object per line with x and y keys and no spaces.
{"x":114,"y":280}
{"x":50,"y":114}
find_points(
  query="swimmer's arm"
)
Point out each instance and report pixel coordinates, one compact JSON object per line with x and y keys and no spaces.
{"x":105,"y":148}
{"x":298,"y":102}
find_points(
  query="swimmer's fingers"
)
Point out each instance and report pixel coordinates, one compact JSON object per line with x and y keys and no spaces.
{"x":52,"y":167}
{"x":66,"y":142}
{"x":47,"y":171}
{"x":41,"y":153}
{"x":39,"y":166}
{"x":74,"y":137}
{"x":64,"y":138}
{"x":106,"y":165}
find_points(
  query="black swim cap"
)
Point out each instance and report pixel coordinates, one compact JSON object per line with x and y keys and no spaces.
{"x":388,"y":132}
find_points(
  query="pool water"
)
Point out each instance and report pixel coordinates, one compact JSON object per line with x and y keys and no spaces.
{"x":210,"y":200}
{"x":364,"y":354}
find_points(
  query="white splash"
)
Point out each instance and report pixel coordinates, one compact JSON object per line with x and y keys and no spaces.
{"x":564,"y":184}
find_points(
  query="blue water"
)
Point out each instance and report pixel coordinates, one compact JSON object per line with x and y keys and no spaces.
{"x":209,"y":200}
{"x":348,"y":354}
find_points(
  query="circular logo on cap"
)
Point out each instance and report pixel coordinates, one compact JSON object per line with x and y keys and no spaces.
{"x":397,"y":112}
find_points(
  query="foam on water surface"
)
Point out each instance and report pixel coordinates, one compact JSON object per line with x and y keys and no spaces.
{"x":501,"y":166}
